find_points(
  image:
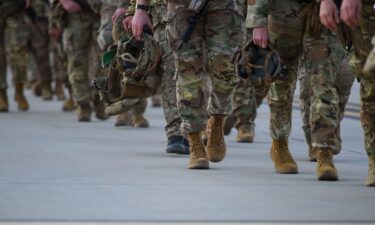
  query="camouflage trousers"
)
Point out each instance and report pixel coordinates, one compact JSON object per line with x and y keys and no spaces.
{"x":367,"y":29}
{"x":23,"y":36}
{"x":323,"y":56}
{"x":248,"y":96}
{"x":168,"y":85}
{"x":343,"y":85}
{"x":84,"y":55}
{"x":285,"y":37}
{"x":210,"y":49}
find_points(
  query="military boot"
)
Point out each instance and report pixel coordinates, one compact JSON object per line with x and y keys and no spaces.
{"x":281,"y":157}
{"x":198,"y":156}
{"x":139,"y":121}
{"x":371,"y":172}
{"x":216,"y":148}
{"x":59,"y":90}
{"x":178,"y":145}
{"x":245,"y":134}
{"x":124,"y":119}
{"x":228,"y":124}
{"x":37,"y":89}
{"x":312,"y":154}
{"x":204,"y":136}
{"x":325,"y":169}
{"x":20,"y":98}
{"x":68,"y":105}
{"x":84,"y":112}
{"x":46,"y":91}
{"x":99,"y":108}
{"x":4,"y":106}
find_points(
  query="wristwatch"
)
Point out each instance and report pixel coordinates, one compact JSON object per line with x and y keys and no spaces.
{"x":142,"y":7}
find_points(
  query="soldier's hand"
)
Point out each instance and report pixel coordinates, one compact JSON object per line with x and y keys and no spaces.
{"x":119,"y":12}
{"x":127,"y":24}
{"x":329,"y":14}
{"x":350,"y":12}
{"x":261,"y":37}
{"x":70,"y":6}
{"x":140,"y":20}
{"x":55,"y":32}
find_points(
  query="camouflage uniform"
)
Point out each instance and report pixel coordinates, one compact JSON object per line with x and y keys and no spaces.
{"x":23,"y":35}
{"x":210,"y":48}
{"x":343,"y":84}
{"x":3,"y":65}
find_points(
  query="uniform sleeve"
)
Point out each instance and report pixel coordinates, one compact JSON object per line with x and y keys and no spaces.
{"x":257,"y":14}
{"x":123,"y":3}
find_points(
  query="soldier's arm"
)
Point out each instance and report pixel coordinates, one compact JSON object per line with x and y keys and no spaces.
{"x":257,"y":18}
{"x":141,"y":19}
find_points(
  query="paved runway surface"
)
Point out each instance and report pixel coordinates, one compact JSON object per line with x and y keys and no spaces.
{"x":55,"y":169}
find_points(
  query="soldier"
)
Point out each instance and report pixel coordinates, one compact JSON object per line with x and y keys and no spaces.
{"x":80,"y":26}
{"x":4,"y":107}
{"x":360,"y":19}
{"x":210,"y":47}
{"x":177,"y":142}
{"x":22,"y":35}
{"x":278,"y":22}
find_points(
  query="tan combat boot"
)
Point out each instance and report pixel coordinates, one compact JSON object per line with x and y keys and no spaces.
{"x":4,"y":106}
{"x":124,"y":119}
{"x":68,"y":105}
{"x":312,"y":154}
{"x":325,"y":169}
{"x":37,"y":89}
{"x":139,"y":121}
{"x":84,"y":112}
{"x":46,"y":91}
{"x":59,"y":90}
{"x":371,"y":172}
{"x":198,"y":157}
{"x":20,"y":98}
{"x":216,"y":148}
{"x":204,"y":136}
{"x":245,"y":134}
{"x":228,"y":124}
{"x":99,"y":108}
{"x":281,"y":157}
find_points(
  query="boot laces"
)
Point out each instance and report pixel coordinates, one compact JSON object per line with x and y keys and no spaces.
{"x":284,"y":153}
{"x":324,"y":158}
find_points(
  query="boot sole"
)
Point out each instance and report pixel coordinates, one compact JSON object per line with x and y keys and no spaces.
{"x":201,"y":164}
{"x":327,"y":176}
{"x":215,"y":159}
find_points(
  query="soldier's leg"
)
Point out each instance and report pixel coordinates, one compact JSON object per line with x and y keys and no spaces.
{"x":305,"y":104}
{"x":222,"y":74}
{"x":4,"y":107}
{"x":17,"y":37}
{"x":344,"y":83}
{"x":77,"y":46}
{"x":323,"y":59}
{"x":244,"y":110}
{"x":177,"y":143}
{"x":190,"y":69}
{"x":137,"y":113}
{"x":39,"y":46}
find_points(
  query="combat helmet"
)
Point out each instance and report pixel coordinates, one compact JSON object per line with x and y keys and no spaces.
{"x":253,"y":62}
{"x":134,"y":70}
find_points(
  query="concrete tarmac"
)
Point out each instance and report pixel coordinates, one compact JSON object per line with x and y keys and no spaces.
{"x":54,"y":169}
